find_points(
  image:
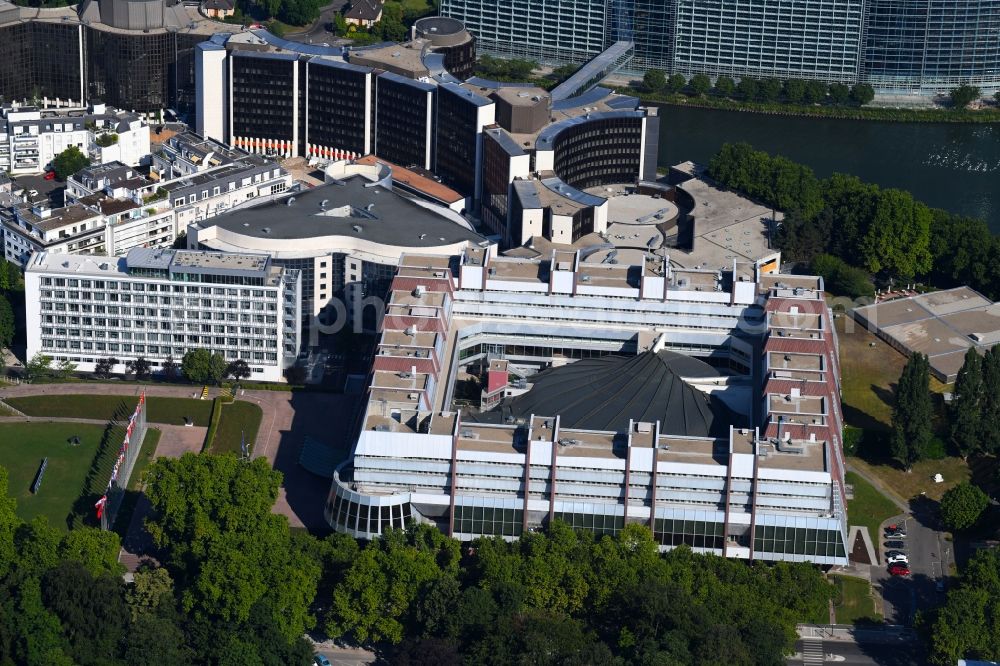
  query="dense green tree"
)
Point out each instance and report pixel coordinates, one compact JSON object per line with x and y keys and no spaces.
{"x":841,"y":279}
{"x":966,"y":407}
{"x":965,"y":251}
{"x":90,"y":608}
{"x":839,"y":93}
{"x":676,"y":83}
{"x":898,"y":237}
{"x":962,"y":506}
{"x":7,"y":326}
{"x":795,"y":91}
{"x":748,"y":88}
{"x":140,"y":367}
{"x":201,"y":366}
{"x":169,"y":368}
{"x":700,"y":84}
{"x":989,"y":432}
{"x":862,"y":93}
{"x":228,"y":551}
{"x":151,"y":589}
{"x":65,"y":368}
{"x":912,"y":413}
{"x":725,"y":86}
{"x":38,"y":366}
{"x":816,"y":92}
{"x":654,"y":80}
{"x":68,"y":162}
{"x":962,"y":96}
{"x":96,"y":550}
{"x":769,"y":90}
{"x":238,"y":369}
{"x":965,"y":627}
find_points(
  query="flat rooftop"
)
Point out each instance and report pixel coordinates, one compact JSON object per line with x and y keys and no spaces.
{"x":727,"y":227}
{"x":375,"y":214}
{"x":942,"y":325}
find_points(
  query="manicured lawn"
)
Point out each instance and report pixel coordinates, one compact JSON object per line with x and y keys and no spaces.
{"x":22,"y":448}
{"x":869,"y":507}
{"x":868,"y":376}
{"x":921,"y":478}
{"x":135,"y":481}
{"x":239,"y":419}
{"x":114,"y":407}
{"x":854,"y":602}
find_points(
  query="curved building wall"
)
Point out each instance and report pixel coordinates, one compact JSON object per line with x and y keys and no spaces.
{"x":601,"y":151}
{"x":136,"y":72}
{"x":916,"y":45}
{"x":41,"y":59}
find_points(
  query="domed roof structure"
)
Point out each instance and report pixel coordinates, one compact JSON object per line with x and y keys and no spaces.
{"x":604,"y":393}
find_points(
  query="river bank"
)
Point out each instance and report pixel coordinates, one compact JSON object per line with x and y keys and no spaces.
{"x":954,"y":166}
{"x":869,"y":113}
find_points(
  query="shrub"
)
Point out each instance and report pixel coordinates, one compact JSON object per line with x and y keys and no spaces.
{"x":962,"y":506}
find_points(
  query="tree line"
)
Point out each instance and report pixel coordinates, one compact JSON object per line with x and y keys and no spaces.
{"x":767,"y":90}
{"x":236,"y":586}
{"x":10,"y":283}
{"x":198,"y":366}
{"x":966,"y":626}
{"x":885,"y":232}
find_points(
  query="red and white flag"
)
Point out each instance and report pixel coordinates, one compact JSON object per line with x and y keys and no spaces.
{"x":100,"y":506}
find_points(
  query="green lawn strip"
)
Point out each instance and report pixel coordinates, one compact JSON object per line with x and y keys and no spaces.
{"x":133,"y":491}
{"x":22,"y":447}
{"x":239,"y":419}
{"x":114,"y":407}
{"x":869,"y":507}
{"x":854,"y":602}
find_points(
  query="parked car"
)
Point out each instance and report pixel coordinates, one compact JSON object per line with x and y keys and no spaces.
{"x":891,"y":553}
{"x":50,"y":175}
{"x":899,"y":570}
{"x":898,"y":558}
{"x":32,"y":193}
{"x":320,"y":660}
{"x":939,"y":586}
{"x":895,"y":545}
{"x":898,"y":534}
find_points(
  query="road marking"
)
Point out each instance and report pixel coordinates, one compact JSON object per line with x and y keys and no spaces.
{"x":812,"y":650}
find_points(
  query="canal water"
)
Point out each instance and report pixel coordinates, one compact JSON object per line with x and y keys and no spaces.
{"x":947,"y":165}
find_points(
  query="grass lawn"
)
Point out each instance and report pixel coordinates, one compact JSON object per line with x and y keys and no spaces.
{"x":854,"y":602}
{"x":921,"y":478}
{"x":135,"y":481}
{"x":22,"y":447}
{"x":114,"y":407}
{"x":868,"y":375}
{"x":869,"y":507}
{"x":238,"y":419}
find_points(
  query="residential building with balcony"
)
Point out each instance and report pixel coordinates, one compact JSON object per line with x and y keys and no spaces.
{"x":156,"y":303}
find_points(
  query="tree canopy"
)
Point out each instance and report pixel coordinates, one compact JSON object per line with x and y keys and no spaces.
{"x":962,"y":506}
{"x":204,"y":367}
{"x":912,"y":412}
{"x":68,"y":162}
{"x":966,"y":627}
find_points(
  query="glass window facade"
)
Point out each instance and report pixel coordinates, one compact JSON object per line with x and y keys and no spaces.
{"x":797,"y":541}
{"x":599,"y":520}
{"x":693,"y":533}
{"x":40,"y":59}
{"x":457,"y":141}
{"x":599,"y":152}
{"x":358,"y":517}
{"x":336,"y":99}
{"x":800,"y":38}
{"x":545,"y":30}
{"x":912,"y":45}
{"x":488,"y":520}
{"x":264,"y":97}
{"x":401,"y":130}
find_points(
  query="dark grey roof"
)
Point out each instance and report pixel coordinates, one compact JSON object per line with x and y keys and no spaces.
{"x":365,"y":10}
{"x":604,"y":393}
{"x":393,"y":219}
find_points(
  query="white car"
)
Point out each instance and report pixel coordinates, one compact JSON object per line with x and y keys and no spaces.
{"x":896,"y":558}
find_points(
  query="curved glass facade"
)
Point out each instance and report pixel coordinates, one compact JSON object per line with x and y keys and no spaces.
{"x":917,"y":45}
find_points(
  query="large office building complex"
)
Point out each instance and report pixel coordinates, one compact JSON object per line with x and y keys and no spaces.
{"x":704,"y":404}
{"x":156,"y":304}
{"x":903,"y":46}
{"x":137,"y":55}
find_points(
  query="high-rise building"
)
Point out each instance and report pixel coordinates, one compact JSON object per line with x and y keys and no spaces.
{"x":806,"y":39}
{"x":905,"y":46}
{"x":156,"y":303}
{"x":927,"y":46}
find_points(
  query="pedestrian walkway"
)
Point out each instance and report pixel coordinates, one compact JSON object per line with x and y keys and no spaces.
{"x":812,"y":651}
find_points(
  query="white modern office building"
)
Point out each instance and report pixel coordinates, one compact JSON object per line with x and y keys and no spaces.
{"x":31,"y":138}
{"x":157,"y":304}
{"x":704,"y":404}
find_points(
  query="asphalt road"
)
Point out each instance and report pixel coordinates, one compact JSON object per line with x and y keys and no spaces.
{"x":813,"y":652}
{"x":347,"y":656}
{"x":929,"y":554}
{"x":318,"y":33}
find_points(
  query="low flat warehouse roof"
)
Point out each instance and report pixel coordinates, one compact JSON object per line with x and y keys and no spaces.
{"x":942,"y":324}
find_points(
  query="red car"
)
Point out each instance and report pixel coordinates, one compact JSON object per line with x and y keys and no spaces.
{"x":50,"y":175}
{"x":899,"y":569}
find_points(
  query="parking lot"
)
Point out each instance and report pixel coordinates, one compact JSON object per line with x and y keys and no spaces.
{"x":929,"y":557}
{"x":53,"y":189}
